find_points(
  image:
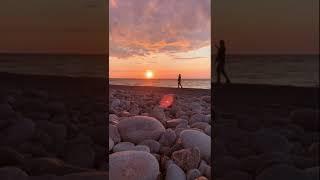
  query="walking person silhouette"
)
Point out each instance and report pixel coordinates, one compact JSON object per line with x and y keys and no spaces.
{"x":179,"y":81}
{"x":220,"y":62}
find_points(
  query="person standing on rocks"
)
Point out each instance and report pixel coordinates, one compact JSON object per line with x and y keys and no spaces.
{"x":220,"y":62}
{"x":179,"y":81}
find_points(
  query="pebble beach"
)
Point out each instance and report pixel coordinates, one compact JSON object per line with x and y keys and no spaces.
{"x":159,"y":133}
{"x":56,"y":128}
{"x":52,"y":128}
{"x":266,"y":132}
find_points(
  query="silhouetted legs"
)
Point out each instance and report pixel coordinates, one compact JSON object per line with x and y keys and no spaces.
{"x":179,"y":85}
{"x":221,"y":70}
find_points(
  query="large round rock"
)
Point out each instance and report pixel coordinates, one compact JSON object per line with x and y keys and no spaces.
{"x":174,"y":172}
{"x":138,"y":128}
{"x":194,"y":138}
{"x":133,"y":165}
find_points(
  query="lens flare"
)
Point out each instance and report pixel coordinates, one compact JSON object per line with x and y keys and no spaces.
{"x":167,"y":100}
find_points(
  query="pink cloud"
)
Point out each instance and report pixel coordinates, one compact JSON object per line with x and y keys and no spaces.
{"x":143,"y":27}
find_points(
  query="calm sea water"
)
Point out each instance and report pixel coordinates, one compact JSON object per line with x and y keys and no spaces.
{"x":186,"y":83}
{"x":59,"y":65}
{"x":295,"y":70}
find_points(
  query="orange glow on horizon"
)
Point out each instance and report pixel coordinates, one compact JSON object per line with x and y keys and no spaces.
{"x":191,"y":65}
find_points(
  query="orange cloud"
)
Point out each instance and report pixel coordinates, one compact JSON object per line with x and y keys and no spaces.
{"x":139,"y":28}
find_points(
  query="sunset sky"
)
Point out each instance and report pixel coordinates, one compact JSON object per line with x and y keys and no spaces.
{"x":268,"y":26}
{"x":168,"y":37}
{"x":53,"y":26}
{"x":145,"y":32}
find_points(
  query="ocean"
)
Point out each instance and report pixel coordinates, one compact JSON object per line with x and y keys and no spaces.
{"x":57,"y":65}
{"x":293,"y":70}
{"x":186,"y":83}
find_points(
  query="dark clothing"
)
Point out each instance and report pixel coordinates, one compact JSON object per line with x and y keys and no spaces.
{"x":179,"y":82}
{"x":221,"y":60}
{"x":221,"y":56}
{"x":221,"y":70}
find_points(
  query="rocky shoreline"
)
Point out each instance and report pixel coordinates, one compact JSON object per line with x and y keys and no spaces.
{"x":55,"y":128}
{"x":259,"y":132}
{"x":52,"y":128}
{"x":266,"y":132}
{"x":159,"y":133}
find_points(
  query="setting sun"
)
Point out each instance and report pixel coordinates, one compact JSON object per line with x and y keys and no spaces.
{"x":149,"y":74}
